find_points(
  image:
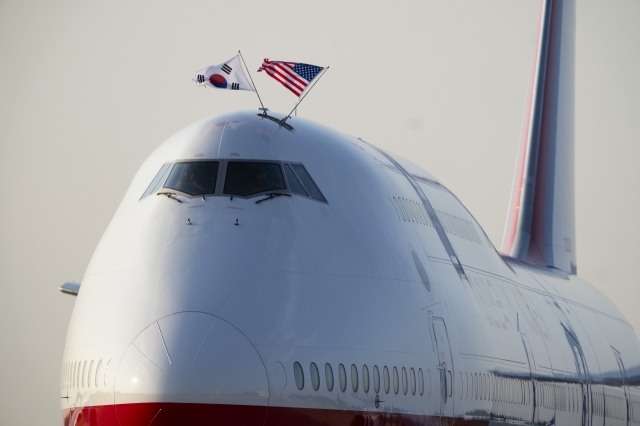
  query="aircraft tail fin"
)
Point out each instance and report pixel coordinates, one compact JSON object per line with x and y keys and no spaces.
{"x":541,"y":223}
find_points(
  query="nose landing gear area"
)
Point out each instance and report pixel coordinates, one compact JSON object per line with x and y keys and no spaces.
{"x":190,"y":368}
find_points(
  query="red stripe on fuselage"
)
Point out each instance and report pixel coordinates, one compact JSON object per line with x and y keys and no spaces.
{"x":185,"y":414}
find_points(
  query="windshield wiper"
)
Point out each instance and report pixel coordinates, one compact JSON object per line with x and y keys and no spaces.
{"x":170,"y":195}
{"x":272,"y":196}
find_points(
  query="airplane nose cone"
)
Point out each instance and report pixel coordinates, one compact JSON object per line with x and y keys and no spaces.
{"x":191,"y":368}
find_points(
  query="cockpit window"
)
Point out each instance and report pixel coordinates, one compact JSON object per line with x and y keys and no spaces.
{"x":246,"y":178}
{"x":194,"y":177}
{"x":308,"y":183}
{"x":294,"y":183}
{"x":157,"y":180}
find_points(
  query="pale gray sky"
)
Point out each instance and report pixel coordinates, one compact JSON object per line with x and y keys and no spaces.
{"x":89,"y":89}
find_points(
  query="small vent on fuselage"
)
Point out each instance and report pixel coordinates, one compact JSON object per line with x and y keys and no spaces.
{"x":457,"y":226}
{"x":413,"y":211}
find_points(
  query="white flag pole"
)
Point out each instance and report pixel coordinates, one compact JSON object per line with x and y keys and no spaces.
{"x":264,"y":110}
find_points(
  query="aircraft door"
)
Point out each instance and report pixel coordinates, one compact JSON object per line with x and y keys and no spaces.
{"x":532,"y":366}
{"x":445,"y":367}
{"x":625,"y":387}
{"x":584,"y":405}
{"x":582,"y":371}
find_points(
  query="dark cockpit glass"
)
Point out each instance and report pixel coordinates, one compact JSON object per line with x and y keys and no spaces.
{"x":308,"y":183}
{"x":246,"y":178}
{"x":193,"y":178}
{"x":294,"y":183}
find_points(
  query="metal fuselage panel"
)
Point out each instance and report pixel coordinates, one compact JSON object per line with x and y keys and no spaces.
{"x":356,"y":282}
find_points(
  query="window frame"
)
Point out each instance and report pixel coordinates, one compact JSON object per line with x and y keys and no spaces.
{"x":223,"y":179}
{"x":222,"y":175}
{"x":184,"y":194}
{"x":160,"y":174}
{"x":295,"y":163}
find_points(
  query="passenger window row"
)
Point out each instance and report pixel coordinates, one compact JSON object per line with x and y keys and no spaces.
{"x":614,"y":407}
{"x":490,"y":387}
{"x":552,"y":396}
{"x":598,"y":404}
{"x":407,"y":378}
{"x":634,"y":415}
{"x":241,"y":179}
{"x":84,"y":374}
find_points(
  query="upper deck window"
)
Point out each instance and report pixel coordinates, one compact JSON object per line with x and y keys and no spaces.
{"x":193,"y":177}
{"x":246,"y":178}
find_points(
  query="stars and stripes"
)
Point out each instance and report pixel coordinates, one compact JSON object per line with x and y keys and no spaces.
{"x":292,"y":75}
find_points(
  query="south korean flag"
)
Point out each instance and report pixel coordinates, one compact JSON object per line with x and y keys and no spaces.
{"x":228,"y":75}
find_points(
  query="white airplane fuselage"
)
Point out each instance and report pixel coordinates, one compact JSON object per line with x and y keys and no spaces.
{"x":384,"y":303}
{"x":261,"y":273}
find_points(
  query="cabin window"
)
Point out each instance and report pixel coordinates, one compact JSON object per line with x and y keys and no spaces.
{"x":396,"y":381}
{"x":328,"y":375}
{"x":315,"y":376}
{"x":475,"y":385}
{"x":387,"y":382}
{"x":76,"y":374}
{"x":342,"y":373}
{"x":84,"y":373}
{"x":376,"y":379}
{"x":90,"y":374}
{"x":485,"y":389}
{"x":98,"y":372}
{"x":299,"y":375}
{"x":365,"y":378}
{"x":106,"y":369}
{"x":193,"y":177}
{"x":405,"y":382}
{"x":413,"y":382}
{"x":245,"y":178}
{"x":421,"y":381}
{"x":354,"y":377}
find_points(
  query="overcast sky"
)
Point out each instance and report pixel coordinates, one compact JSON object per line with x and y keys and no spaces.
{"x":89,"y":89}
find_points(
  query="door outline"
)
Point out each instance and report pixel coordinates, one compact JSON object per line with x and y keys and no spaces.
{"x":445,"y":366}
{"x":623,"y":377}
{"x":583,"y":376}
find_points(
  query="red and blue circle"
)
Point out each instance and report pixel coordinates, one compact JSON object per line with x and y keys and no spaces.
{"x":218,"y":81}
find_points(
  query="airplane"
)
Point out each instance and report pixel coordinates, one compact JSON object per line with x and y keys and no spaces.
{"x":263,"y":272}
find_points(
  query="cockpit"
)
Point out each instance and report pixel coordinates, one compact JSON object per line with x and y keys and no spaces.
{"x":243,"y":179}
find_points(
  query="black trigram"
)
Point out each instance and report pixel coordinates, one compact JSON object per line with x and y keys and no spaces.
{"x":200,"y":78}
{"x":226,"y":68}
{"x":235,"y":86}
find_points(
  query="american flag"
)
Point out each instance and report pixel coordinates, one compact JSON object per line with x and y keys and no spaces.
{"x":292,"y":75}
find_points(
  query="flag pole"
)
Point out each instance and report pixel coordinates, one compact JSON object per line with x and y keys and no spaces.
{"x":301,"y":99}
{"x":264,"y":110}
